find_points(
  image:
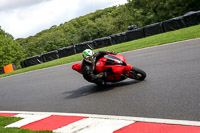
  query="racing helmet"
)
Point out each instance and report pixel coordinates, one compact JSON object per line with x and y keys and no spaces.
{"x":88,"y":55}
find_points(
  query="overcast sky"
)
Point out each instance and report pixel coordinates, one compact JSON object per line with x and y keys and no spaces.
{"x":23,"y":18}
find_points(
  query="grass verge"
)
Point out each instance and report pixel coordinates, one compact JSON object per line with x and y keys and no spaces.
{"x":4,"y":121}
{"x":168,"y":37}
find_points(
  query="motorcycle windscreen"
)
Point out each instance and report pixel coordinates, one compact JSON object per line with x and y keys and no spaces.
{"x":115,"y":60}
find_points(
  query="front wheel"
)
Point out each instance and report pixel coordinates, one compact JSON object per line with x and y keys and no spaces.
{"x":137,"y":74}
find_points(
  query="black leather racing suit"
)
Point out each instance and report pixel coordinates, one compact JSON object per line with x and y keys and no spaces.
{"x":88,"y":69}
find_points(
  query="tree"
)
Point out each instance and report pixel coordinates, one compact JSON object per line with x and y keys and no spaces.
{"x":10,"y":51}
{"x":106,"y":22}
{"x":147,"y":12}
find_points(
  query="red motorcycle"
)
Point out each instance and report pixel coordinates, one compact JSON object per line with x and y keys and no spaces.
{"x":116,"y":67}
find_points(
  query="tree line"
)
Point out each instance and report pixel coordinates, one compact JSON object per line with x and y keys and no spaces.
{"x":99,"y":24}
{"x":11,"y":52}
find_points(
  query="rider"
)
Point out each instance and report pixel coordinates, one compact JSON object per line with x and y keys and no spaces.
{"x":88,"y":66}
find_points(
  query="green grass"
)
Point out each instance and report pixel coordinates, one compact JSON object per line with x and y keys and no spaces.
{"x":4,"y":121}
{"x":168,"y":37}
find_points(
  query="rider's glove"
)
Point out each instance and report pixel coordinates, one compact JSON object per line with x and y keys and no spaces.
{"x":111,"y":52}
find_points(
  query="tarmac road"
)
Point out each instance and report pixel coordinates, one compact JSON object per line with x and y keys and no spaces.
{"x":170,"y":91}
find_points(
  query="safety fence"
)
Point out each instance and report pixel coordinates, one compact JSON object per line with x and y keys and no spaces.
{"x":133,"y":33}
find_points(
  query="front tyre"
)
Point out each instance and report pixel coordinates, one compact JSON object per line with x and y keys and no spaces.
{"x":137,"y":74}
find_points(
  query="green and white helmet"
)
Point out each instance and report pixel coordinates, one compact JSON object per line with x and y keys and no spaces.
{"x":88,"y":55}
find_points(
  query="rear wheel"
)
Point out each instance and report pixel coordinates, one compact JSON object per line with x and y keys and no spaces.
{"x":137,"y":74}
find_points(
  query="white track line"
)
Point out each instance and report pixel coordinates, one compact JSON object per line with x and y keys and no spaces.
{"x":110,"y":117}
{"x":94,"y":125}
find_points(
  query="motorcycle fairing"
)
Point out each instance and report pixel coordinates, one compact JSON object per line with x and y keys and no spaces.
{"x":104,"y":63}
{"x":77,"y":67}
{"x":116,"y":63}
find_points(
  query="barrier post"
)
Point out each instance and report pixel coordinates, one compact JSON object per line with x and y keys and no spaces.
{"x":8,"y":68}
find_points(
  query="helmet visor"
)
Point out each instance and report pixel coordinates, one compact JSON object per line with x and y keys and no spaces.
{"x":90,"y":59}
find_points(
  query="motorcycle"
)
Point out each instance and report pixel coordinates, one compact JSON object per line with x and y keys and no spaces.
{"x":116,"y":67}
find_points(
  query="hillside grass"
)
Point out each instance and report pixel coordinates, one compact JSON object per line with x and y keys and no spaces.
{"x":168,"y":37}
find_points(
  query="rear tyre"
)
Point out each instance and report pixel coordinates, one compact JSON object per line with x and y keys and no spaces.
{"x":137,"y":73}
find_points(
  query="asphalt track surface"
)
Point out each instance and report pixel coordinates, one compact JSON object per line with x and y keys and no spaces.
{"x":170,"y":91}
